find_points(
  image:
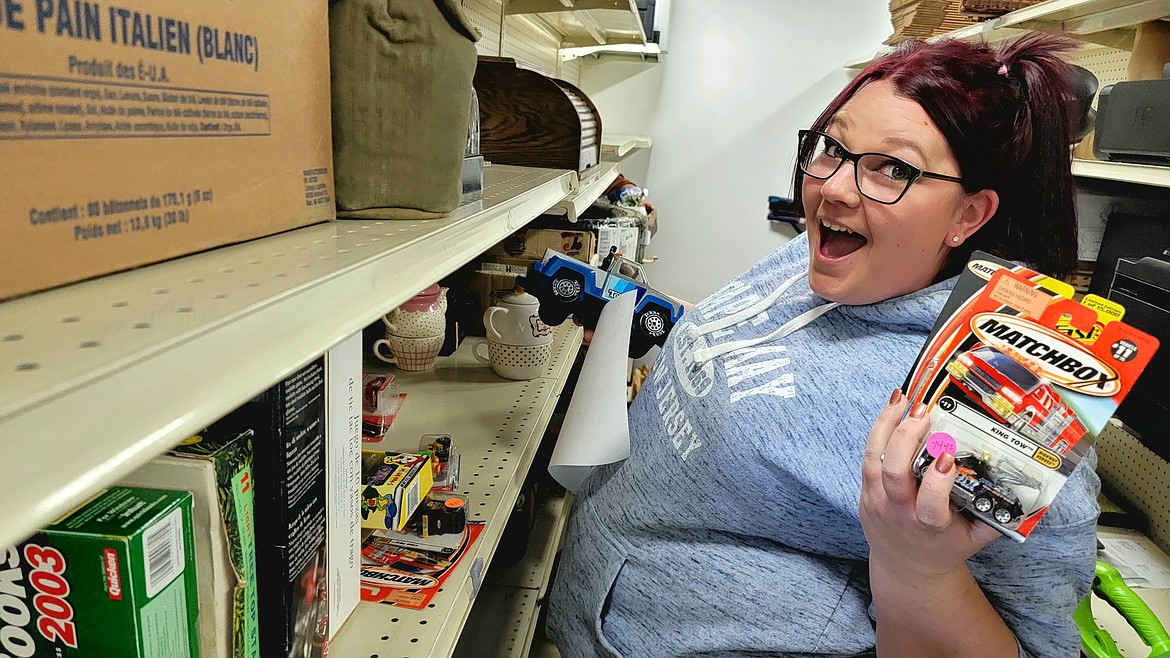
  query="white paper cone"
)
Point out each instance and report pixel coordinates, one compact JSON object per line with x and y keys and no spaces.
{"x":596,"y":430}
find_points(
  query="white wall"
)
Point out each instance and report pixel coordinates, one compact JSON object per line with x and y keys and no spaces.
{"x":723,"y":107}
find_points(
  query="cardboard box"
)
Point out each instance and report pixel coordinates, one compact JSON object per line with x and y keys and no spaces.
{"x":114,"y":577}
{"x":290,"y":476}
{"x":343,"y":439}
{"x":532,"y":243}
{"x":217,"y":469}
{"x":129,"y":136}
{"x":395,"y":483}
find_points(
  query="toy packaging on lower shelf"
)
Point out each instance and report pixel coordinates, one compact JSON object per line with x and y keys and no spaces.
{"x":1019,"y":379}
{"x":444,"y":459}
{"x":406,"y":569}
{"x":114,"y":577}
{"x":393,"y":485}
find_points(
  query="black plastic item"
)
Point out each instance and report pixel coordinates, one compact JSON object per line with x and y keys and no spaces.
{"x":646,"y":13}
{"x":1082,"y":90}
{"x":1143,"y":288}
{"x":514,"y":540}
{"x":462,"y":313}
{"x":1133,"y":122}
{"x":781,"y":209}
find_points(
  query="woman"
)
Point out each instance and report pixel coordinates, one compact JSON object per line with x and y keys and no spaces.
{"x":735,"y":526}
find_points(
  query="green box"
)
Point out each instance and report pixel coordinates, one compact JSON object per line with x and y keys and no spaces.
{"x":216,"y":467}
{"x":114,"y":577}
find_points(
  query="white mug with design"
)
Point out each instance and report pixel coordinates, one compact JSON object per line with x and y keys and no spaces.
{"x":514,"y":361}
{"x":409,"y":353}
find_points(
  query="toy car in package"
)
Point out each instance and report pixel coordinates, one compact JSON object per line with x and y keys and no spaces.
{"x":1019,"y":379}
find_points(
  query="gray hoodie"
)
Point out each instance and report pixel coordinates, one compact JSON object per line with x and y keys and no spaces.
{"x":732,"y":529}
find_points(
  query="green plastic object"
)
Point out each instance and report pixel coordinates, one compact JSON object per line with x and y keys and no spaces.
{"x":1096,"y":642}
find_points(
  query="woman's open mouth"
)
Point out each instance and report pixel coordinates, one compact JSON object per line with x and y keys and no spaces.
{"x":837,"y":241}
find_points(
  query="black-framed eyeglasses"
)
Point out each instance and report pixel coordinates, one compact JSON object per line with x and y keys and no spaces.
{"x":880,"y":177}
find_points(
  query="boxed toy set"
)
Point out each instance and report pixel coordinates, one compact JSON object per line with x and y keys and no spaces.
{"x":395,"y":483}
{"x":114,"y":577}
{"x":216,"y":467}
{"x":1019,"y":379}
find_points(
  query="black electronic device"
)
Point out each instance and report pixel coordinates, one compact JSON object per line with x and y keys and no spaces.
{"x":1143,"y":287}
{"x":1133,"y":122}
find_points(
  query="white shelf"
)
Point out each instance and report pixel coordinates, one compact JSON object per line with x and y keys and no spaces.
{"x":1122,"y":172}
{"x":1107,"y":21}
{"x":592,"y":186}
{"x":101,"y":376}
{"x":620,"y":145}
{"x":504,"y":620}
{"x":497,"y":426}
{"x":583,"y":23}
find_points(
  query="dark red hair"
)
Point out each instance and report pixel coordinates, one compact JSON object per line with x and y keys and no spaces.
{"x":1003,"y":111}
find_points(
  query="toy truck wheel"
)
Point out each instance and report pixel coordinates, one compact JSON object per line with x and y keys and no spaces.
{"x":1003,"y":515}
{"x":565,"y":291}
{"x":982,"y":504}
{"x":651,"y":325}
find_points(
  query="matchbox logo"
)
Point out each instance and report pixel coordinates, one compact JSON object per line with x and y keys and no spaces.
{"x":1059,"y":361}
{"x":113,"y":580}
{"x":397,"y":580}
{"x":984,"y":268}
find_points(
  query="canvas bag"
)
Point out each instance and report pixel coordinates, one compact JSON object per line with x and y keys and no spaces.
{"x":401,"y":79}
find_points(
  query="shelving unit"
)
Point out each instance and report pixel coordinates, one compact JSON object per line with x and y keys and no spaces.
{"x":101,"y":376}
{"x":1110,"y":22}
{"x":585,"y":22}
{"x":497,"y":426}
{"x":619,"y":146}
{"x":512,"y":599}
{"x":592,"y":186}
{"x":1122,"y":172}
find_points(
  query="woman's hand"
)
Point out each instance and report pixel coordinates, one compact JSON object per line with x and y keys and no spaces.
{"x":912,"y":530}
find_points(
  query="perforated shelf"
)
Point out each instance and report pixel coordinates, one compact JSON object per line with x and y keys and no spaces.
{"x":497,"y":426}
{"x":99,"y":377}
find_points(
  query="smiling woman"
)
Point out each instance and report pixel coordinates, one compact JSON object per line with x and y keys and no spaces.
{"x":783,"y":529}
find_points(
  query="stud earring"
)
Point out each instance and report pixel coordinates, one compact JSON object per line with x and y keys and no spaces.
{"x":955,"y":239}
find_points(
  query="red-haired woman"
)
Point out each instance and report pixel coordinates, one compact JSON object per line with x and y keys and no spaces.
{"x":734,"y":528}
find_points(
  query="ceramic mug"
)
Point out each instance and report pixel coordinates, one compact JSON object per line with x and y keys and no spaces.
{"x":409,"y":353}
{"x":422,"y":316}
{"x":514,"y":361}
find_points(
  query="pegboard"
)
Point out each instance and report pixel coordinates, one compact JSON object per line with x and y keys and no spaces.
{"x":1141,"y":477}
{"x":1108,"y":64}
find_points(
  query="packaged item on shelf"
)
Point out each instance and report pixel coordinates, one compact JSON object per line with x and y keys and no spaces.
{"x":1019,"y":379}
{"x":444,"y":459}
{"x":531,"y":244}
{"x":381,"y":401}
{"x":343,"y":439}
{"x":394,"y":483}
{"x":216,"y":467}
{"x":114,"y":577}
{"x":408,"y":571}
{"x":116,"y":158}
{"x":440,"y":513}
{"x":290,"y":474}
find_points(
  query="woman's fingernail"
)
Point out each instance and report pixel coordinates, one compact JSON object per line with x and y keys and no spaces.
{"x":919,"y":411}
{"x":944,"y":463}
{"x":895,"y":396}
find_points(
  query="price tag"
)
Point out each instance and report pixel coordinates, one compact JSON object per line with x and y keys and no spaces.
{"x":940,"y":442}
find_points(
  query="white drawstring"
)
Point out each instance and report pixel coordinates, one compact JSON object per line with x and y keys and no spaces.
{"x":705,"y":354}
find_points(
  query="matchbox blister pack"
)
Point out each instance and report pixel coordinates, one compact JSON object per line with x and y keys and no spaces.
{"x":1019,"y":380}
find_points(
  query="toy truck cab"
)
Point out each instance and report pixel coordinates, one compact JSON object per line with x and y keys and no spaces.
{"x":1024,"y":401}
{"x":976,"y":485}
{"x":566,"y":286}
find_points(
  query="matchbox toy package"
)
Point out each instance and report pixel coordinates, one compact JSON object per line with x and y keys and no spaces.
{"x":1019,"y":379}
{"x":114,"y":577}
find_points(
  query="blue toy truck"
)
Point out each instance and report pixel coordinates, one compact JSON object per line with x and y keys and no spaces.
{"x":565,"y":286}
